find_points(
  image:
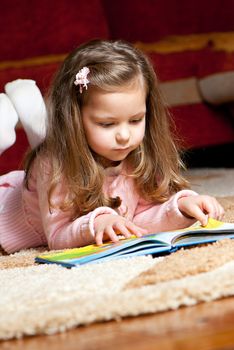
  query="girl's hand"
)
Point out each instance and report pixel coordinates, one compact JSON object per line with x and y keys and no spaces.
{"x":201,"y":207}
{"x":109,"y":226}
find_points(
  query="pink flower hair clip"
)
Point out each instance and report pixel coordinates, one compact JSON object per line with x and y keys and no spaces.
{"x":81,"y":78}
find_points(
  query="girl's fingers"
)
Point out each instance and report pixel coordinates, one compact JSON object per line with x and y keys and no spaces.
{"x":116,"y":226}
{"x":109,"y":231}
{"x":99,"y":238}
{"x":217,"y":209}
{"x":209,"y":208}
{"x":122,"y":229}
{"x":127,"y":229}
{"x":197,"y":213}
{"x":214,"y":209}
{"x":135,"y":230}
{"x":221,"y":213}
{"x":202,"y":218}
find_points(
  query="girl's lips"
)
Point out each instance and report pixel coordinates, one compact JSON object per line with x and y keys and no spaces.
{"x":121,"y":150}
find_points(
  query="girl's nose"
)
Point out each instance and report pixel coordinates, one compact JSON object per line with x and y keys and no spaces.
{"x":123,"y":135}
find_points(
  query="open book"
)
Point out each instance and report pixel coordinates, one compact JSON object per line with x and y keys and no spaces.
{"x":155,"y":244}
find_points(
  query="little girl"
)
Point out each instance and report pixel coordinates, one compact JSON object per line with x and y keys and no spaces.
{"x":107,"y":165}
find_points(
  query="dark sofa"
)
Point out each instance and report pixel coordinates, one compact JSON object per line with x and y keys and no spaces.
{"x":191,"y":45}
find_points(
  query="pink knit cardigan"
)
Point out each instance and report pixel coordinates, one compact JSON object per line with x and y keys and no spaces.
{"x":26,"y":220}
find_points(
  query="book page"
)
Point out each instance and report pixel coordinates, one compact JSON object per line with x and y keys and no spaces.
{"x":194,"y":231}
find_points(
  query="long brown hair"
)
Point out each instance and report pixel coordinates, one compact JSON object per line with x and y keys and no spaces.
{"x":155,"y":163}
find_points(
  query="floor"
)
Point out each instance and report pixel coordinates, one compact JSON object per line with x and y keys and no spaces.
{"x":207,"y":326}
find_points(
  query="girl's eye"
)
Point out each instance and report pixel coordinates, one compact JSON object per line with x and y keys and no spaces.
{"x":105,"y":125}
{"x":136,"y":121}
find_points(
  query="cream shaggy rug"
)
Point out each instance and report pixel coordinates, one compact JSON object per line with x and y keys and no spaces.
{"x":46,"y":299}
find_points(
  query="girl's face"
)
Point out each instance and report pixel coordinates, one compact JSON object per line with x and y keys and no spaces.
{"x":114,"y":122}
